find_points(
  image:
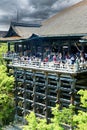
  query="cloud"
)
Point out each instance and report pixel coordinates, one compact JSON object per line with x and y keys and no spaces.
{"x":43,"y":9}
{"x":63,"y":3}
{"x":30,"y":10}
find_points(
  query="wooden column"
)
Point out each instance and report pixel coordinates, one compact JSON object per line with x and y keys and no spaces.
{"x":15,"y":95}
{"x":42,"y":47}
{"x":69,"y":47}
{"x":72,"y":93}
{"x":24,"y":95}
{"x":34,"y":90}
{"x":46,"y":96}
{"x":16,"y":47}
{"x":8,"y":60}
{"x":8,"y":46}
{"x":22,"y":49}
{"x":72,"y":100}
{"x":58,"y":88}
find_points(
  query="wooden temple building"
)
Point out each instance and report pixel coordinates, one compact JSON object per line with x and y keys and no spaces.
{"x":39,"y":86}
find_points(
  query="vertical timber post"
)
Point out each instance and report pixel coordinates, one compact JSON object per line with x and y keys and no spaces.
{"x":24,"y":96}
{"x":34,"y":91}
{"x":15,"y":94}
{"x":46,"y":96}
{"x":8,"y":46}
{"x":58,"y":88}
{"x":73,"y":83}
{"x":7,"y":60}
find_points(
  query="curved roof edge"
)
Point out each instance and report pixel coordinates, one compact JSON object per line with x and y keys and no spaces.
{"x":11,"y":32}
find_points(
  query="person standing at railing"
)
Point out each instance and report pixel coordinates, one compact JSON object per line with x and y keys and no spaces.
{"x":59,"y":57}
{"x":45,"y":59}
{"x":49,"y":57}
{"x":77,"y":63}
{"x":82,"y":57}
{"x":54,"y":58}
{"x":72,"y":59}
{"x":85,"y":56}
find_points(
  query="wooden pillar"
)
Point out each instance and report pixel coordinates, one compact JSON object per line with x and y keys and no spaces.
{"x":8,"y":46}
{"x":72,"y":93}
{"x":58,"y":88}
{"x":8,"y":60}
{"x":73,"y":84}
{"x":26,"y":45}
{"x":15,"y":95}
{"x":42,"y":47}
{"x":24,"y":96}
{"x":46,"y":96}
{"x":82,"y":47}
{"x":22,"y":49}
{"x":16,"y":47}
{"x":69,"y":47}
{"x":34,"y":91}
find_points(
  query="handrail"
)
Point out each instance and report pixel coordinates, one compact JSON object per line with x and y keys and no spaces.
{"x":52,"y":65}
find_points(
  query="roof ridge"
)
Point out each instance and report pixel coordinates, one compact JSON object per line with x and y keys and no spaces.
{"x":25,"y":24}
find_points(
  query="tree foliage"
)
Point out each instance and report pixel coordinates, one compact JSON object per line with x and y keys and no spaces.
{"x":6,"y":96}
{"x":3,"y":49}
{"x":83,"y":94}
{"x":40,"y":124}
{"x":66,"y":116}
{"x":59,"y":117}
{"x":81,"y":118}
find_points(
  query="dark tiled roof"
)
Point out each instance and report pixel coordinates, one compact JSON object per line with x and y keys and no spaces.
{"x":70,"y":21}
{"x":3,"y":33}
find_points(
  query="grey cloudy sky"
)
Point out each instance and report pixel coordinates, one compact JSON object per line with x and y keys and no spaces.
{"x":29,"y":10}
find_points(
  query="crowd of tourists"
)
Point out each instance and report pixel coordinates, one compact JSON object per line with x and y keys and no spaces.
{"x":68,"y":58}
{"x":55,"y":57}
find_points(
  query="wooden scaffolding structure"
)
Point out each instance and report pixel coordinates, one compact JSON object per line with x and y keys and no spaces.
{"x":39,"y":89}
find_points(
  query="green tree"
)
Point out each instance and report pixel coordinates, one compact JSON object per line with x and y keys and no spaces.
{"x":31,"y":120}
{"x":66,"y":116}
{"x":3,"y":49}
{"x":6,"y":86}
{"x":6,"y":97}
{"x":59,"y":117}
{"x":81,"y":118}
{"x":83,"y":94}
{"x":40,"y":124}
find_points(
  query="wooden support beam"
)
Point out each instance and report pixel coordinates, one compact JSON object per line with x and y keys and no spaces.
{"x":34,"y":90}
{"x":72,"y":92}
{"x":42,"y":89}
{"x":15,"y":94}
{"x":8,"y":46}
{"x":24,"y":95}
{"x":46,"y":95}
{"x":58,"y":88}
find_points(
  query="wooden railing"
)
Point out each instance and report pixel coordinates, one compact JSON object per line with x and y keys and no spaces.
{"x":76,"y":67}
{"x":61,"y":66}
